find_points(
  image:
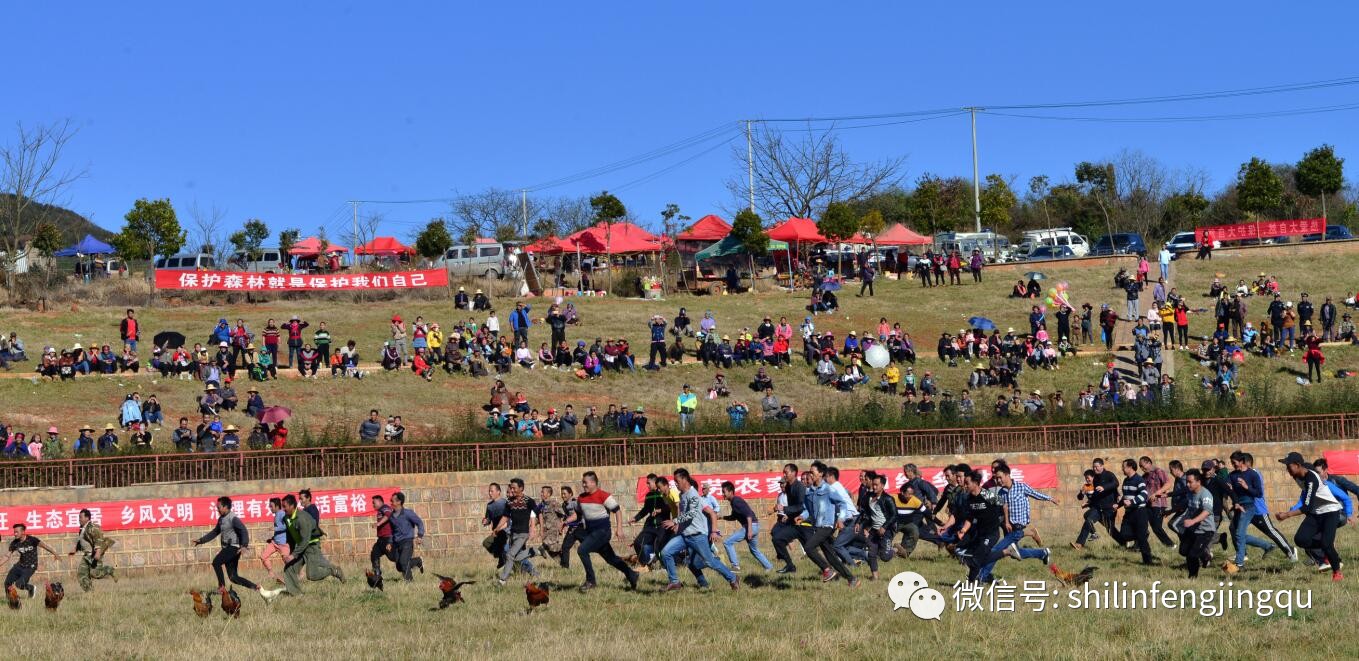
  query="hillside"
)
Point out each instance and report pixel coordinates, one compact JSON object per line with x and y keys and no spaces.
{"x":72,"y":225}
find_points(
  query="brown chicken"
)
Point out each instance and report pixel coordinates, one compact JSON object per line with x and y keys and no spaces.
{"x":537,"y":594}
{"x":202,"y":603}
{"x":52,"y":598}
{"x":1068,"y":578}
{"x":452,"y":591}
{"x":12,"y":597}
{"x":374,"y":579}
{"x":231,"y":602}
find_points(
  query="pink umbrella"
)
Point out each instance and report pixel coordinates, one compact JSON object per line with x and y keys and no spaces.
{"x":273,"y":415}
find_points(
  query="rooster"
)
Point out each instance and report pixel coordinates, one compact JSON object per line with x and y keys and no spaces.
{"x":53,"y":597}
{"x":12,"y":596}
{"x":1068,"y":578}
{"x":374,"y":579}
{"x":452,"y":591}
{"x":537,"y":595}
{"x":231,"y":602}
{"x":202,"y":604}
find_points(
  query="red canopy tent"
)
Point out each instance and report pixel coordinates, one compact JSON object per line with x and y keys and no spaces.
{"x":384,"y":245}
{"x":797,"y":230}
{"x":311,"y":247}
{"x":708,"y":228}
{"x":549,"y":245}
{"x":900,"y":235}
{"x":613,"y":239}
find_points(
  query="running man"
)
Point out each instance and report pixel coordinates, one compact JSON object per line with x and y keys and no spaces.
{"x":235,"y":539}
{"x":278,"y":541}
{"x":408,"y":532}
{"x":595,"y":508}
{"x":694,"y":532}
{"x":821,"y":509}
{"x":95,"y":545}
{"x":1198,"y":523}
{"x":382,"y":546}
{"x":1135,"y":501}
{"x":304,"y":545}
{"x":518,"y":524}
{"x":1322,"y":509}
{"x":1261,"y":519}
{"x":1015,"y":495}
{"x":786,"y":528}
{"x":748,"y":532}
{"x":25,"y":546}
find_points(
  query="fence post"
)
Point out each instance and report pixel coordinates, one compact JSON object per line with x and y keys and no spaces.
{"x":625,"y":452}
{"x":764,"y":446}
{"x":1193,"y":440}
{"x":323,"y":462}
{"x":1046,"y":447}
{"x":477,"y":456}
{"x":240,"y":465}
{"x":401,"y":460}
{"x":901,"y":443}
{"x":833,"y":444}
{"x":552,"y":454}
{"x":70,"y":472}
{"x":695,"y":449}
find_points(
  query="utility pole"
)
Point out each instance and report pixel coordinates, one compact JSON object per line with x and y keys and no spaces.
{"x":976,"y":176}
{"x":355,"y":243}
{"x":524,"y":207}
{"x":750,"y":167}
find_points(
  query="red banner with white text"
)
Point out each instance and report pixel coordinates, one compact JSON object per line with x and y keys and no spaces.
{"x":1342,"y":462}
{"x":237,"y":281}
{"x":180,"y":512}
{"x":766,"y":485}
{"x":1264,"y":229}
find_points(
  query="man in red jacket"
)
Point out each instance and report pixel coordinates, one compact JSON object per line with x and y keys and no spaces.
{"x":130,"y":330}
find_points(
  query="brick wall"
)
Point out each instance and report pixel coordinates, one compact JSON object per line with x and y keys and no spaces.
{"x":451,"y":503}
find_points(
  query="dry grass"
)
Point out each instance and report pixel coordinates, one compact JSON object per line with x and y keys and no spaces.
{"x":770,"y":618}
{"x":446,"y":406}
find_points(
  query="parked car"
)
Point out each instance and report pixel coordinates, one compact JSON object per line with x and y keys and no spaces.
{"x":1050,"y":252}
{"x":1120,"y":243}
{"x":1182,"y":242}
{"x":1333,"y":233}
{"x":264,"y":260}
{"x":480,"y":260}
{"x":1060,"y":236}
{"x":186,"y":262}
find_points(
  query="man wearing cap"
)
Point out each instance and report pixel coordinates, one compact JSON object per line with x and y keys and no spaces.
{"x":480,"y":301}
{"x":108,"y":441}
{"x":84,"y":443}
{"x":231,"y":439}
{"x":637,"y":422}
{"x":686,"y":404}
{"x":460,"y":300}
{"x":254,"y":404}
{"x":1320,"y":506}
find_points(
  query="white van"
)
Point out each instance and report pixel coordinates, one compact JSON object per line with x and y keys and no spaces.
{"x":199,"y":262}
{"x":264,"y":260}
{"x":479,"y":260}
{"x":995,"y":247}
{"x":1054,"y":238}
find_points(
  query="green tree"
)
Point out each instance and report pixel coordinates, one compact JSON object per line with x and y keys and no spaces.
{"x":151,"y":228}
{"x":1182,"y":210}
{"x":872,"y":222}
{"x":1259,"y":190}
{"x":1038,"y":188}
{"x":997,"y":200}
{"x":434,"y":240}
{"x":748,"y":228}
{"x":607,"y":208}
{"x":46,"y":239}
{"x":288,"y":238}
{"x":838,"y":223}
{"x":1320,"y":172}
{"x":251,"y":236}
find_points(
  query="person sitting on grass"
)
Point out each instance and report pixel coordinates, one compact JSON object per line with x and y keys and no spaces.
{"x":719,"y":387}
{"x":420,"y":365}
{"x":391,"y":358}
{"x":268,"y":368}
{"x":762,"y":381}
{"x":523,"y":356}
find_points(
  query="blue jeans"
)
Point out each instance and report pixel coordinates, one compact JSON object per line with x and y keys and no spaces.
{"x":686,"y":420}
{"x":751,"y":544}
{"x":1015,"y":536}
{"x":1241,"y":537}
{"x":700,"y":554}
{"x":132,"y":344}
{"x":844,"y":543}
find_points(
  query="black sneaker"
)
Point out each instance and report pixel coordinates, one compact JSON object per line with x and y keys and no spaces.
{"x":420,"y":564}
{"x":586,"y":587}
{"x":786,"y":570}
{"x":632,"y":581}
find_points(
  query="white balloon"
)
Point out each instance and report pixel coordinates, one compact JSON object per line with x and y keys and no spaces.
{"x":877,"y":356}
{"x":559,"y":300}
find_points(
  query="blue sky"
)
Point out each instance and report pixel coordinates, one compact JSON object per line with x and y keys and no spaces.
{"x":283,"y":111}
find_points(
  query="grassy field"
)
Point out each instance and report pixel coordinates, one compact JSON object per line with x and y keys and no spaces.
{"x":770,"y":617}
{"x":449,"y":405}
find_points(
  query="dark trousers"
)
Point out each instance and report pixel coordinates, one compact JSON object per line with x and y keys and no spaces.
{"x":1318,"y":532}
{"x":783,"y":534}
{"x":822,"y":553}
{"x":596,"y":540}
{"x":323,"y":350}
{"x":1095,"y":517}
{"x":976,"y":275}
{"x":1194,"y":548}
{"x":18,"y":577}
{"x":1157,"y":520}
{"x":570,"y":539}
{"x":1134,"y":529}
{"x":405,"y":557}
{"x":379,"y":551}
{"x":657,"y":349}
{"x":867,"y":284}
{"x":647,"y":539}
{"x":227,"y":558}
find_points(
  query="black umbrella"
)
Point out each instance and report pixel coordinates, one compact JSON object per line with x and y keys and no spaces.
{"x":168,"y":340}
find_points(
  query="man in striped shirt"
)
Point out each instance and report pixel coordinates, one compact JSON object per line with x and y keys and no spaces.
{"x":595,"y":507}
{"x":1014,"y":496}
{"x":1135,"y":501}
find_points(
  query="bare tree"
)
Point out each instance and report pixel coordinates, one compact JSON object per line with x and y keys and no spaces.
{"x":31,"y":179}
{"x":207,"y":227}
{"x":569,"y":214}
{"x":363,"y":231}
{"x":492,"y":212}
{"x":799,"y":177}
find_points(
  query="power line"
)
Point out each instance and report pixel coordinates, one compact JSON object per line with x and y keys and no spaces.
{"x":670,"y":168}
{"x":1186,"y":118}
{"x":1196,"y":96}
{"x":654,"y":154}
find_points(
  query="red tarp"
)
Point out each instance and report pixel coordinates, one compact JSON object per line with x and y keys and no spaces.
{"x":384,"y":245}
{"x":797,"y":230}
{"x":549,"y":245}
{"x":1263,"y":229}
{"x":900,"y":235}
{"x":237,"y":281}
{"x":614,"y":238}
{"x":708,"y":228}
{"x":311,"y":246}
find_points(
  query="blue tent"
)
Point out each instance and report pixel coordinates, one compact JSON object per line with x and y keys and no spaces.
{"x":87,"y":246}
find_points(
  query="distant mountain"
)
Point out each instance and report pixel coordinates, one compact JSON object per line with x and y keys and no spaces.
{"x":73,"y":226}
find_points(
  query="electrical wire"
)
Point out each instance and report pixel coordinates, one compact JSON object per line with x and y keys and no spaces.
{"x":658,"y":173}
{"x":1185,"y":118}
{"x":660,"y":152}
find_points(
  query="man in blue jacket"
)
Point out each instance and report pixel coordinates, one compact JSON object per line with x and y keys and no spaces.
{"x":1261,"y":520}
{"x":1247,"y":487}
{"x":520,"y":322}
{"x":408,"y":531}
{"x":821,"y":508}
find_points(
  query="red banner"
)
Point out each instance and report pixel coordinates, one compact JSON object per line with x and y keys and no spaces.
{"x":238,"y":281}
{"x":1342,"y":462}
{"x":1263,"y":229}
{"x":766,"y":485}
{"x":180,"y":512}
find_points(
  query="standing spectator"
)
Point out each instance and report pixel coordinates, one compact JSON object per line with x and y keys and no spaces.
{"x":294,"y":327}
{"x":975,"y":264}
{"x":686,"y":404}
{"x":370,"y":429}
{"x":520,"y":322}
{"x":322,"y":339}
{"x":271,"y":335}
{"x":1133,"y":289}
{"x":130,"y":330}
{"x":657,"y":328}
{"x":1327,"y":314}
{"x":557,"y":322}
{"x":398,"y":330}
{"x":1164,"y":258}
{"x":868,"y":273}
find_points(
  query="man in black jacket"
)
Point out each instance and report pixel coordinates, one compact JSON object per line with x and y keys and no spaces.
{"x":1135,"y":501}
{"x":877,"y":519}
{"x":785,"y":530}
{"x":235,"y":538}
{"x":1323,"y":511}
{"x":1101,"y":502}
{"x":655,"y":510}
